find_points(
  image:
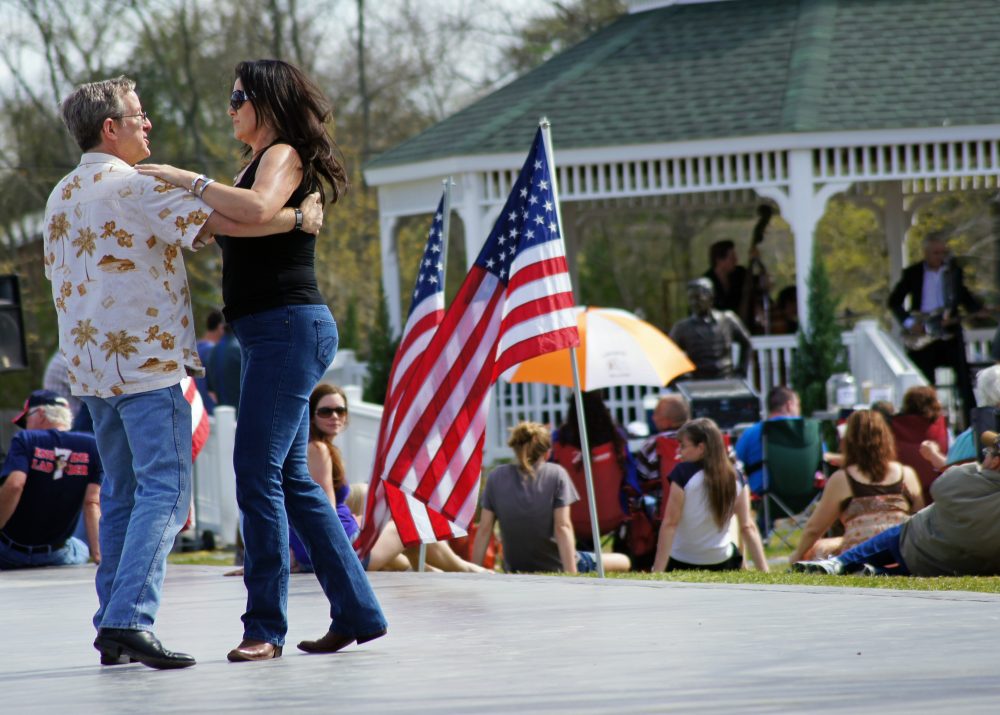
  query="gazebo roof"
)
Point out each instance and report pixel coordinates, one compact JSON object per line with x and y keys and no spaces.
{"x":741,"y":69}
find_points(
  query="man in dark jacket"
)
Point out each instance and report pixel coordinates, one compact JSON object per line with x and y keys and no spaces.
{"x":932,"y":324}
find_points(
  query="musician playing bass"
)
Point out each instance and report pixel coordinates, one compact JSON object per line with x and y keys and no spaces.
{"x":932,"y":327}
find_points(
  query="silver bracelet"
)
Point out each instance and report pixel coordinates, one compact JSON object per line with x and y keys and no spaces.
{"x":298,"y":220}
{"x":204,"y":186}
{"x":194,"y":183}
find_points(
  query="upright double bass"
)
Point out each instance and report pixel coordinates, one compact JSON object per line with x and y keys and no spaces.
{"x":755,"y":303}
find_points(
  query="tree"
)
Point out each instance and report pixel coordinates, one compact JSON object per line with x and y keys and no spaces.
{"x":820,"y":352}
{"x":381,"y":352}
{"x":549,"y":33}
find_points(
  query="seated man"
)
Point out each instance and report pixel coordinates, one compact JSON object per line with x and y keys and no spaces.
{"x":957,"y":535}
{"x":707,"y":336}
{"x":782,"y":404}
{"x":50,"y":475}
{"x":670,"y":413}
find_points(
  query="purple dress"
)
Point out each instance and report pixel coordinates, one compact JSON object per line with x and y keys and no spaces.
{"x":347,"y":520}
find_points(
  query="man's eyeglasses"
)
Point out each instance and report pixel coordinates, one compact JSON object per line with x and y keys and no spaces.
{"x":327,"y":412}
{"x":144,"y":116}
{"x":237,"y":98}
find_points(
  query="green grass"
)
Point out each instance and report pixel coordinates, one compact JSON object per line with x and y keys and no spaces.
{"x":202,"y":558}
{"x":780,"y":577}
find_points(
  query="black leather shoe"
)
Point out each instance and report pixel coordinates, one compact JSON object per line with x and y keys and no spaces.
{"x":332,"y":642}
{"x":109,"y":659}
{"x":118,"y":643}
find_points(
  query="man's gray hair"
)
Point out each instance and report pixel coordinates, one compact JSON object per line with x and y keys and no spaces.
{"x":988,"y":386}
{"x":84,"y":111}
{"x":57,"y":415}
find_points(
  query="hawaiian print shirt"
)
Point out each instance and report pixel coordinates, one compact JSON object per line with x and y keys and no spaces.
{"x":112,"y":252}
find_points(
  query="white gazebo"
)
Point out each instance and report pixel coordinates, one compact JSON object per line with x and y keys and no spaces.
{"x":793,"y":101}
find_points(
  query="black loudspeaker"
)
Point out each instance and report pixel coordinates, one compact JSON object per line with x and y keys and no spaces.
{"x":13,"y":351}
{"x":727,"y":402}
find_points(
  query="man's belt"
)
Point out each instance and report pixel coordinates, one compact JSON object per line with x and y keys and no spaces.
{"x":29,"y":550}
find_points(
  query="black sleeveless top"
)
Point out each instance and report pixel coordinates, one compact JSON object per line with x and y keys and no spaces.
{"x":267,"y":272}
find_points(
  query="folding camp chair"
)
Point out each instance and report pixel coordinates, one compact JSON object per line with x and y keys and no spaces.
{"x":607,"y":488}
{"x":793,"y":453}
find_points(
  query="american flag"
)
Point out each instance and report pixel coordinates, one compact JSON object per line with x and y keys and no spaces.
{"x":415,"y":522}
{"x":200,"y":429}
{"x":515,"y":303}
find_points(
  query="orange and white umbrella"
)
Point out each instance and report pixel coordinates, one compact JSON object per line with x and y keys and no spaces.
{"x":616,"y":348}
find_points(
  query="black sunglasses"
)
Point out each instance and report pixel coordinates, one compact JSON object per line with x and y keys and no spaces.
{"x":237,"y":98}
{"x":327,"y":412}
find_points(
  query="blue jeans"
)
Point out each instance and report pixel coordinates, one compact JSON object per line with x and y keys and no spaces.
{"x":145,"y":445}
{"x":74,"y":552}
{"x":881,"y":550}
{"x":285,"y":352}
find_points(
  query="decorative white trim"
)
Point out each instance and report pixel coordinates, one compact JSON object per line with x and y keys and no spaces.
{"x":689,"y":149}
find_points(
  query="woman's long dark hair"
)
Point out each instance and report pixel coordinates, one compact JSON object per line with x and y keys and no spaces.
{"x":319,"y":392}
{"x":720,"y":475}
{"x":601,"y":427}
{"x":285,"y":99}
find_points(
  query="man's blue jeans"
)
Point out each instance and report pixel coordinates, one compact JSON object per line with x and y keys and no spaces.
{"x":881,"y":550}
{"x":285,"y":352}
{"x":145,"y":445}
{"x":74,"y":552}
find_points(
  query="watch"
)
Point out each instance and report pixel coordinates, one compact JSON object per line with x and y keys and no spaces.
{"x":298,"y":220}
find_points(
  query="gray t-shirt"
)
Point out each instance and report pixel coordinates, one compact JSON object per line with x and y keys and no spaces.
{"x":524,"y":506}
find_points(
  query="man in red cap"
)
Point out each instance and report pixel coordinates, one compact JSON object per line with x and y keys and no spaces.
{"x":50,"y":474}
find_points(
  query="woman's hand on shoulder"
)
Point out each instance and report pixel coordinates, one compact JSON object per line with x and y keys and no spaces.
{"x":170,"y":174}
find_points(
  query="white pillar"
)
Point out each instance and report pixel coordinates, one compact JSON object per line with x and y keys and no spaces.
{"x":802,"y":207}
{"x":895,"y":224}
{"x":390,"y":271}
{"x":470,"y":209}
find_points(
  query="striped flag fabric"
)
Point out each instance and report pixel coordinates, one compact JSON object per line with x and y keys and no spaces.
{"x":200,"y":429}
{"x":515,"y":303}
{"x":415,"y":522}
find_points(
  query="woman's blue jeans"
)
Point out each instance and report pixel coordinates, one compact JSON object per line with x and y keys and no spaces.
{"x":285,"y":352}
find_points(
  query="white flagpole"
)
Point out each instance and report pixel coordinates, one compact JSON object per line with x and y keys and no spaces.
{"x":445,"y":227}
{"x":581,"y":423}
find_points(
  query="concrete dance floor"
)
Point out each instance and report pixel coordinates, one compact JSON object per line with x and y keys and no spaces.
{"x":507,"y":644}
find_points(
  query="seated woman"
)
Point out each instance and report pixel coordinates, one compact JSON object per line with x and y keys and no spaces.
{"x":328,"y":417}
{"x":531,"y":499}
{"x":869,"y":494}
{"x":920,"y":420}
{"x":706,"y":494}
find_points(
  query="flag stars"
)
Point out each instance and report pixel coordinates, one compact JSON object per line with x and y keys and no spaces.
{"x":439,"y":266}
{"x":538,"y":164}
{"x":512,"y":216}
{"x":548,"y":205}
{"x":433,"y":280}
{"x":543,"y":184}
{"x":435,"y":248}
{"x":539,"y":220}
{"x":490,"y":263}
{"x":524,"y":192}
{"x":533,"y":200}
{"x":529,"y":234}
{"x":553,"y":228}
